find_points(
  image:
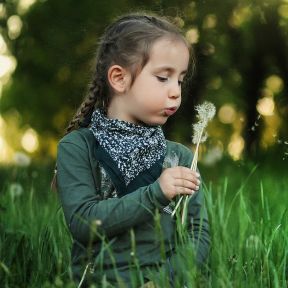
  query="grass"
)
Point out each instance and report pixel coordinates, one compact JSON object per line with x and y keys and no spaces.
{"x":247,"y":207}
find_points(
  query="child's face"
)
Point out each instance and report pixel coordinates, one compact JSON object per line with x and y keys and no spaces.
{"x":156,"y":92}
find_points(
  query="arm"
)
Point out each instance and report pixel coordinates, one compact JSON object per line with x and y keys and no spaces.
{"x":81,"y":206}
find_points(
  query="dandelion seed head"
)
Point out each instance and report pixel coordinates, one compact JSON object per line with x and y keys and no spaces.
{"x":206,"y":111}
{"x":15,"y":190}
{"x":22,"y":159}
{"x":197,"y":131}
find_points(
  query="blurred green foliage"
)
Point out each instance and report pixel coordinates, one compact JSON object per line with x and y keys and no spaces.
{"x":241,"y":43}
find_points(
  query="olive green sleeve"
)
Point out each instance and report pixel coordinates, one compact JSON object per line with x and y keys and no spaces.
{"x":81,"y":205}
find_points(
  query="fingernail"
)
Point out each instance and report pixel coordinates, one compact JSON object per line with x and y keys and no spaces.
{"x":197,"y":187}
{"x":198,"y":182}
{"x":197,"y":174}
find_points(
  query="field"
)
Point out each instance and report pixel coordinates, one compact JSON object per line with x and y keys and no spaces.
{"x":247,"y":206}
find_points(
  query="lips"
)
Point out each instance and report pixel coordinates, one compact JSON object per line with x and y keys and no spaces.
{"x":170,"y":111}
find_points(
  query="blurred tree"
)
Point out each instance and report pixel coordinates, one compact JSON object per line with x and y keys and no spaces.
{"x":240,"y":44}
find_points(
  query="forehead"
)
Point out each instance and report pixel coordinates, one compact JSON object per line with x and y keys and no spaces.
{"x":169,"y":53}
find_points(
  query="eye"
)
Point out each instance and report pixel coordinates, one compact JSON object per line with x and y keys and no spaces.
{"x":162,"y":79}
{"x":180,"y":83}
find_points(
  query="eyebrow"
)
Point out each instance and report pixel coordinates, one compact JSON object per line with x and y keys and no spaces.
{"x":169,"y":69}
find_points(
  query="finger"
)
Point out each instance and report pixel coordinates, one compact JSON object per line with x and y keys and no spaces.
{"x":187,"y":177}
{"x":183,"y":190}
{"x":184,"y":172}
{"x":186,"y":184}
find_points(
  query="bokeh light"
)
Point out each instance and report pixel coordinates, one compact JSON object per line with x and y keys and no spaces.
{"x":7,"y":65}
{"x":14,"y":24}
{"x":30,"y":141}
{"x":2,"y":10}
{"x":24,"y":5}
{"x":3,"y":45}
{"x":265,"y":106}
{"x":227,"y":114}
{"x":240,"y":15}
{"x":283,"y":11}
{"x":236,"y":146}
{"x":274,"y":83}
{"x":210,"y":21}
{"x":192,"y":35}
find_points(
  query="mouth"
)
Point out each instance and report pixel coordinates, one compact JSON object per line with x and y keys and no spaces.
{"x":170,"y":111}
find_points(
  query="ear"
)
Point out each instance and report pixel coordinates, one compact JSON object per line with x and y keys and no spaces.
{"x":119,"y":78}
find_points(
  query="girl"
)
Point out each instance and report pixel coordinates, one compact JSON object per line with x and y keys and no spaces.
{"x":116,"y":172}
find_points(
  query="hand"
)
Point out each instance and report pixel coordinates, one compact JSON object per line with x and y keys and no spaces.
{"x":178,"y":180}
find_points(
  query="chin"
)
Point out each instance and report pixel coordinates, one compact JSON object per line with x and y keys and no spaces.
{"x":158,"y":122}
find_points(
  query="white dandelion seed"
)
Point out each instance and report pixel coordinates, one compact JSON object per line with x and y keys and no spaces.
{"x":15,"y":190}
{"x":205,"y":113}
{"x":198,"y":136}
{"x":22,"y":159}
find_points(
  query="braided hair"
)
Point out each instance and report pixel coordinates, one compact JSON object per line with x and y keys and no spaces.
{"x":126,"y":42}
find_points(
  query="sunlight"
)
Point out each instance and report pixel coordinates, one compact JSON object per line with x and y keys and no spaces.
{"x":3,"y":46}
{"x":2,"y":143}
{"x":7,"y":65}
{"x":30,"y":141}
{"x":14,"y":24}
{"x":192,"y":35}
{"x":283,"y":11}
{"x":2,"y":10}
{"x":265,"y":106}
{"x":227,"y":114}
{"x":24,"y":5}
{"x":2,"y":123}
{"x":239,"y":16}
{"x":271,"y":128}
{"x":274,"y":83}
{"x":236,"y":146}
{"x":210,"y":21}
{"x":5,"y":151}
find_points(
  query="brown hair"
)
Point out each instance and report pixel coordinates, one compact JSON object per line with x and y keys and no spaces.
{"x":126,"y":42}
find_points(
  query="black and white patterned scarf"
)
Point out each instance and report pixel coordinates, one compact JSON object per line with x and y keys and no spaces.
{"x":133,"y":147}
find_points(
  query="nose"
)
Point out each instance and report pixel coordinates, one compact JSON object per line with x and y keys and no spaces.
{"x":175,"y":90}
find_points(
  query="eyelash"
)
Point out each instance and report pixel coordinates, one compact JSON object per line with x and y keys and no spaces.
{"x":164,"y":79}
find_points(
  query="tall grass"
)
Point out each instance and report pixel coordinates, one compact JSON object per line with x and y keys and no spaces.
{"x":249,"y":231}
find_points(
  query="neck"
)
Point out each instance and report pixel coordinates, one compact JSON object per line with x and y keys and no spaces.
{"x":116,"y":110}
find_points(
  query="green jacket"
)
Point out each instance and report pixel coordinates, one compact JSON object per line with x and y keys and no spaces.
{"x":109,"y":230}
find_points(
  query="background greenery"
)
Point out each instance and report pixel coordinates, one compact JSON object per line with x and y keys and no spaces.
{"x":47,"y":53}
{"x":242,"y":61}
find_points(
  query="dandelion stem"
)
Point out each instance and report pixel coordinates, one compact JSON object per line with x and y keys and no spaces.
{"x":176,"y":207}
{"x":206,"y":112}
{"x":193,"y":168}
